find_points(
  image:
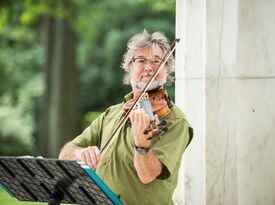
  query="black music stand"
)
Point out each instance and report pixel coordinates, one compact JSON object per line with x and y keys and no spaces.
{"x":53,"y":181}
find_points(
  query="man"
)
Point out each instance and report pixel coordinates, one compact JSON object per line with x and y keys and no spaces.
{"x":140,"y":170}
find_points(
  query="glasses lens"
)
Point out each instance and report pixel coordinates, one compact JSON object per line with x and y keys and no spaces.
{"x":143,"y":61}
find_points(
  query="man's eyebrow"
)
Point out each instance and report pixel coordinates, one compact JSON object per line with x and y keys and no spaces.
{"x":141,"y":56}
{"x":157,"y":56}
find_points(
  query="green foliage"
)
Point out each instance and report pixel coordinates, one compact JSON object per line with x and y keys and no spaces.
{"x":102,"y":29}
{"x":3,"y":18}
{"x":6,"y":199}
{"x":17,"y":117}
{"x":89,"y":117}
{"x":105,"y":29}
{"x":21,"y":84}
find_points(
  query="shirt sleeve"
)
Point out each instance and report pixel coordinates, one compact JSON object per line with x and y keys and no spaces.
{"x":170,"y":148}
{"x":91,"y":136}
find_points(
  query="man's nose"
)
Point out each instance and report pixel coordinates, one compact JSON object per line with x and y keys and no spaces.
{"x":148,"y":66}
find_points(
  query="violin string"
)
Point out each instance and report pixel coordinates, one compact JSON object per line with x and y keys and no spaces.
{"x":149,"y":109}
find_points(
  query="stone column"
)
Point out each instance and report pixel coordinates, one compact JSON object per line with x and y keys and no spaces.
{"x":225,"y":82}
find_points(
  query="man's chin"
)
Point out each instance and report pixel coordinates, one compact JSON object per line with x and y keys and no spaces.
{"x":154,"y":85}
{"x":146,"y":79}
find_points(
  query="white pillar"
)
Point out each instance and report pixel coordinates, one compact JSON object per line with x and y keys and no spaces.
{"x":225,"y":81}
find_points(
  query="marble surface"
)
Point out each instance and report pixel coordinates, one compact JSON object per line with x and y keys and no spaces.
{"x":190,"y":49}
{"x":191,"y":177}
{"x":220,"y":141}
{"x":256,"y":140}
{"x":225,"y":81}
{"x":256,"y":41}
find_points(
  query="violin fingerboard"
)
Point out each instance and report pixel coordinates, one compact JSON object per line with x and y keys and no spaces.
{"x":146,"y":105}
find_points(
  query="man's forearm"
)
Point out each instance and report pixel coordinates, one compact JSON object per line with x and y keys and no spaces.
{"x":89,"y":155}
{"x":148,"y":166}
{"x":68,"y":152}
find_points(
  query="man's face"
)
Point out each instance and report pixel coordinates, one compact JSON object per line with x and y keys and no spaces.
{"x":145,"y":62}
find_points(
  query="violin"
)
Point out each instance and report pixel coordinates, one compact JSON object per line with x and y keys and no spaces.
{"x":154,"y":102}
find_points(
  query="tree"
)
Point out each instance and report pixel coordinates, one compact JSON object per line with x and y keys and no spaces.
{"x":58,"y":108}
{"x":21,"y":80}
{"x":52,"y":49}
{"x":58,"y":113}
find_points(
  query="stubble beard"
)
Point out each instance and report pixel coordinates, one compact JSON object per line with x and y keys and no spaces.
{"x":154,"y":85}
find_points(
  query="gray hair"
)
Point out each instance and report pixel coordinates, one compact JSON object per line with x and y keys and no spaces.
{"x":142,"y":40}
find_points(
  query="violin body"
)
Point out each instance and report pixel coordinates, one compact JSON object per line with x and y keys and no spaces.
{"x":155,"y":102}
{"x":159,"y":101}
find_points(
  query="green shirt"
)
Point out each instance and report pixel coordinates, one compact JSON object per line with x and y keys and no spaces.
{"x":116,"y":168}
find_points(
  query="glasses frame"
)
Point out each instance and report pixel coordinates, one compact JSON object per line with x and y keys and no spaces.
{"x":146,"y":60}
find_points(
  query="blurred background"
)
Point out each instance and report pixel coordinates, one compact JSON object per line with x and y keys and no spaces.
{"x":60,"y":67}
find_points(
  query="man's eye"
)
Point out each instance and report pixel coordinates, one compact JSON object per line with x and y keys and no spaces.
{"x":141,"y":61}
{"x":157,"y":61}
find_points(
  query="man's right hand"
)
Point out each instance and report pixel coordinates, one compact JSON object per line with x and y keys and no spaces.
{"x":89,"y":155}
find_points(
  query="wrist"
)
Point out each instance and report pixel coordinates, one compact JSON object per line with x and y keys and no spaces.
{"x":77,"y":153}
{"x":142,"y":150}
{"x":139,"y":142}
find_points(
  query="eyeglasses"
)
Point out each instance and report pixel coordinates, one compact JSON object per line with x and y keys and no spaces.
{"x":142,"y":62}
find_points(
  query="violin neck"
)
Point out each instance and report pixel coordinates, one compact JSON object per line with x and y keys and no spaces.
{"x":146,"y":105}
